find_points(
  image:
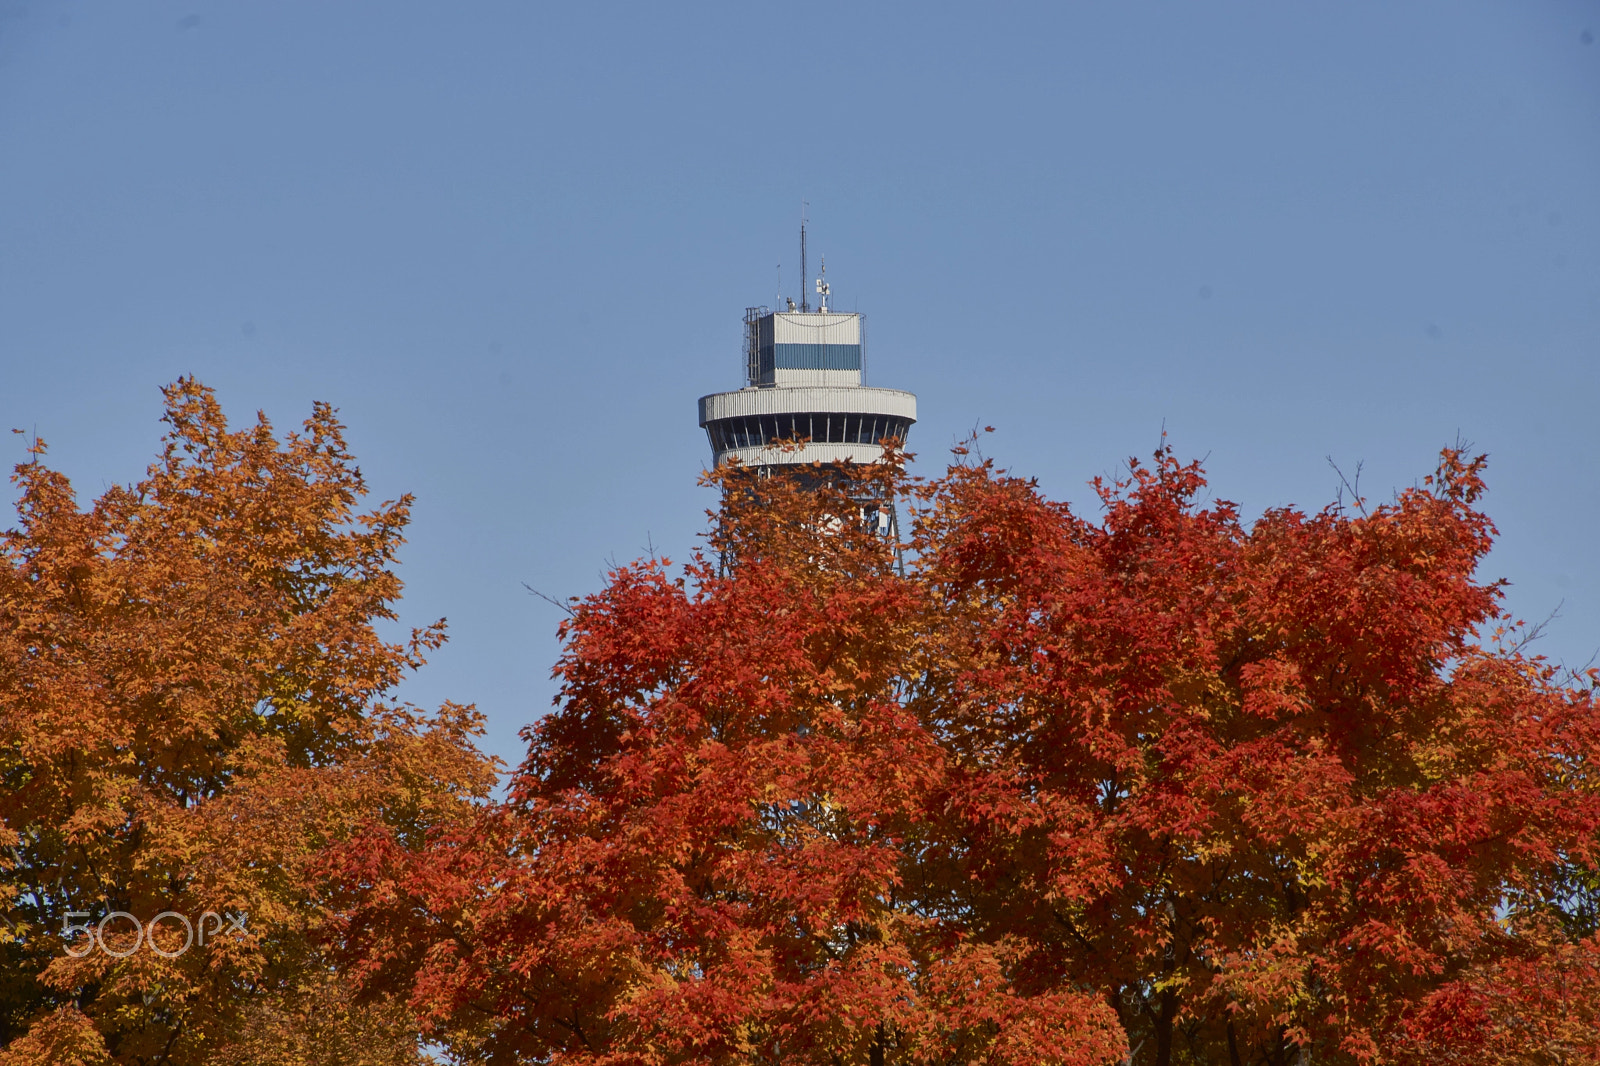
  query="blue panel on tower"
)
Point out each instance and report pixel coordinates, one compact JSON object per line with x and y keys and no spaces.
{"x":815,"y":356}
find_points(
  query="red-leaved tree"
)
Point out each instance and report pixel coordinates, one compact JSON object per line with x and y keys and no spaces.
{"x":1159,"y":787}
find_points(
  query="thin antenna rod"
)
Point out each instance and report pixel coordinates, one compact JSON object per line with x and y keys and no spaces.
{"x":805,"y":298}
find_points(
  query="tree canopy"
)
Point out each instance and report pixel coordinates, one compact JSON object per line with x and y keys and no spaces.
{"x":192,"y":708}
{"x":1158,"y":786}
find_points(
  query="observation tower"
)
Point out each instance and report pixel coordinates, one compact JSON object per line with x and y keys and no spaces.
{"x":803,"y":371}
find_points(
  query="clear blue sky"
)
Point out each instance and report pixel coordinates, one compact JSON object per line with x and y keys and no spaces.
{"x":512,"y":243}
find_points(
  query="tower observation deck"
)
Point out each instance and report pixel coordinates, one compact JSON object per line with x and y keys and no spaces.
{"x":803,"y":379}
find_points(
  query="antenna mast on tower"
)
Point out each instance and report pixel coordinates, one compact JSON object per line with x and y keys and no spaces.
{"x":805,"y":299}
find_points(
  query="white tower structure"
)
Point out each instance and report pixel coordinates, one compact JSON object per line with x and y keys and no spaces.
{"x":803,"y":379}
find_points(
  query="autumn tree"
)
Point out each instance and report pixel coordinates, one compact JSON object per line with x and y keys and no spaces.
{"x":1158,"y":786}
{"x":192,"y":709}
{"x":1274,"y":791}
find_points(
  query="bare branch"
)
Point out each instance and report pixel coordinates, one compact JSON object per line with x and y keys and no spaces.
{"x":565,"y":606}
{"x":1353,"y":487}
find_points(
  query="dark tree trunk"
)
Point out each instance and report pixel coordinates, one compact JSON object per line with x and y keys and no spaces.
{"x":1164,"y":1016}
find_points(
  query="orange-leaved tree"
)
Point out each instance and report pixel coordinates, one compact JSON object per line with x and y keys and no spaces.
{"x":191,"y":710}
{"x":1159,"y":787}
